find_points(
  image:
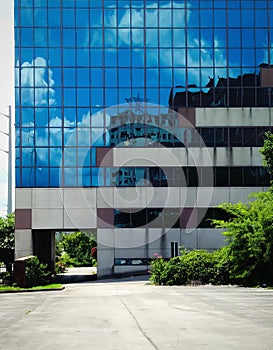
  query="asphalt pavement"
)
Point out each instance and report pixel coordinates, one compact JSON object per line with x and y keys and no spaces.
{"x":131,"y":314}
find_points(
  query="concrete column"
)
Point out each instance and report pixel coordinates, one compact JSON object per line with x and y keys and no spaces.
{"x":23,"y":243}
{"x":105,"y":252}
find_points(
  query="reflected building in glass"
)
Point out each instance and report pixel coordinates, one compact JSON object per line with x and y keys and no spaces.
{"x":136,"y":119}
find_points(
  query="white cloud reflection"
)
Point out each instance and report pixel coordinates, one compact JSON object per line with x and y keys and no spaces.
{"x":36,"y":74}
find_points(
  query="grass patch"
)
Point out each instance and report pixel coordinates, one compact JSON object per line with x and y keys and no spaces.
{"x":56,"y":286}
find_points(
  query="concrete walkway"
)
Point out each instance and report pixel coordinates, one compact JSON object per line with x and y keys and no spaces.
{"x":77,"y":274}
{"x":130,"y":314}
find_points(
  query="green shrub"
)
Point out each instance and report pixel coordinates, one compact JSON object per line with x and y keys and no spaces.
{"x":37,"y":274}
{"x":192,"y":266}
{"x":158,"y":265}
{"x":174,"y":272}
{"x":5,"y":278}
{"x":249,"y":232}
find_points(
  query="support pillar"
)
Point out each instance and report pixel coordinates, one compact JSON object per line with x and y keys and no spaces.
{"x":23,"y":243}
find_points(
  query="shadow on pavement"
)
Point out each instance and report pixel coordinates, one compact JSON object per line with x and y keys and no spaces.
{"x":77,"y":275}
{"x":88,"y":274}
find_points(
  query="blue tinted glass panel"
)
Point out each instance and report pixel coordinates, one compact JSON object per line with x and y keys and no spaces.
{"x":74,"y":58}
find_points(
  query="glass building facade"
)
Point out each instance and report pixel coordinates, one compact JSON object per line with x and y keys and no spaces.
{"x":76,"y":58}
{"x":137,"y":119}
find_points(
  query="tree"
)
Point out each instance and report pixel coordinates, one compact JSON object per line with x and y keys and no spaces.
{"x":249,"y":231}
{"x":267,"y":151}
{"x":7,"y":239}
{"x":250,"y":235}
{"x":78,"y":246}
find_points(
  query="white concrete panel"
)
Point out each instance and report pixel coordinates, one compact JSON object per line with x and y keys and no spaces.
{"x":138,"y":253}
{"x":210,"y":239}
{"x":23,"y":243}
{"x":160,"y":241}
{"x":130,"y":238}
{"x":105,"y":197}
{"x":156,"y":241}
{"x":189,"y":239}
{"x":47,"y":219}
{"x":130,"y":197}
{"x":47,"y":198}
{"x":172,"y":234}
{"x":80,"y":218}
{"x":23,"y":198}
{"x":222,"y":156}
{"x":207,"y":117}
{"x":246,"y":156}
{"x":211,"y":197}
{"x":105,"y":238}
{"x":105,"y":253}
{"x":149,"y":157}
{"x":200,"y":156}
{"x":79,"y":197}
{"x":130,"y":269}
{"x":187,"y":197}
{"x":241,"y":194}
{"x":162,"y":197}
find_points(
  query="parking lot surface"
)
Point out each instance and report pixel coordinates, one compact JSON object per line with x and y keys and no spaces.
{"x":131,"y":314}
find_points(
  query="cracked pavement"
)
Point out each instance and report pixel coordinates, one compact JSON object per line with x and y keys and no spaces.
{"x":131,"y":314}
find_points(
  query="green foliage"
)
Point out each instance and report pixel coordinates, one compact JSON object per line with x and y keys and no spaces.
{"x":7,"y":239}
{"x":74,"y":249}
{"x":249,"y":233}
{"x":247,"y":259}
{"x":158,"y":265}
{"x":267,"y":151}
{"x":5,"y":278}
{"x":193,"y":266}
{"x":37,"y":274}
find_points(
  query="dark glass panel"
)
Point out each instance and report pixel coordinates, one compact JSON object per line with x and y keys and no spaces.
{"x":263,"y":176}
{"x":249,"y":137}
{"x":192,"y":177}
{"x":207,"y":135}
{"x":261,"y":135}
{"x":204,"y":217}
{"x":138,"y":218}
{"x":221,"y":176}
{"x":250,"y":176}
{"x":179,"y":177}
{"x":206,"y":177}
{"x":171,"y":217}
{"x":221,"y":137}
{"x":236,"y":138}
{"x":122,"y":219}
{"x":209,"y":215}
{"x":236,"y":176}
{"x":155,"y":217}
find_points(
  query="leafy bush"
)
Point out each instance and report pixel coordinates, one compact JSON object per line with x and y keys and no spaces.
{"x":37,"y":274}
{"x":5,"y":278}
{"x":247,"y":260}
{"x":198,"y":266}
{"x":7,"y":240}
{"x":158,"y":265}
{"x":250,"y":236}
